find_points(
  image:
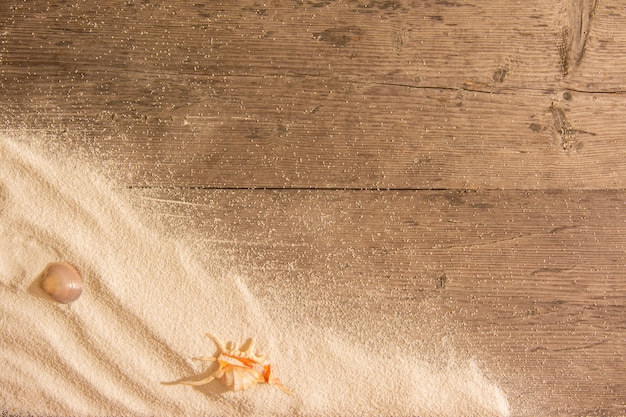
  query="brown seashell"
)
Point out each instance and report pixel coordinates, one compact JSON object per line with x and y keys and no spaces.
{"x":62,"y":282}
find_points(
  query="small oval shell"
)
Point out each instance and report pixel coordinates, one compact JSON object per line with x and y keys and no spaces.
{"x":62,"y":282}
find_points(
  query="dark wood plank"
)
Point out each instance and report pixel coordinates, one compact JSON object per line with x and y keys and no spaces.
{"x":535,"y":281}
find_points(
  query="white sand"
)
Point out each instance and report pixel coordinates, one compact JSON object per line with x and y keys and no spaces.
{"x":148,"y":300}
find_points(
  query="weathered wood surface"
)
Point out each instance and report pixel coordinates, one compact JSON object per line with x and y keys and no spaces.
{"x":329,"y":94}
{"x":497,"y":130}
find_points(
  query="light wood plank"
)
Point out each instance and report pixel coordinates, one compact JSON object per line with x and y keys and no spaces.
{"x":534,"y":280}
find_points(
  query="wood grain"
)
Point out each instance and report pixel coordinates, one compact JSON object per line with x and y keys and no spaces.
{"x":428,"y":162}
{"x":389,"y":95}
{"x":597,"y":49}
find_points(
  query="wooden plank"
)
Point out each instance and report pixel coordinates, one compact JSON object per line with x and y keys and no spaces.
{"x":595,"y":58}
{"x":534,"y":281}
{"x":345,"y":95}
{"x":353,"y":135}
{"x":436,"y":43}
